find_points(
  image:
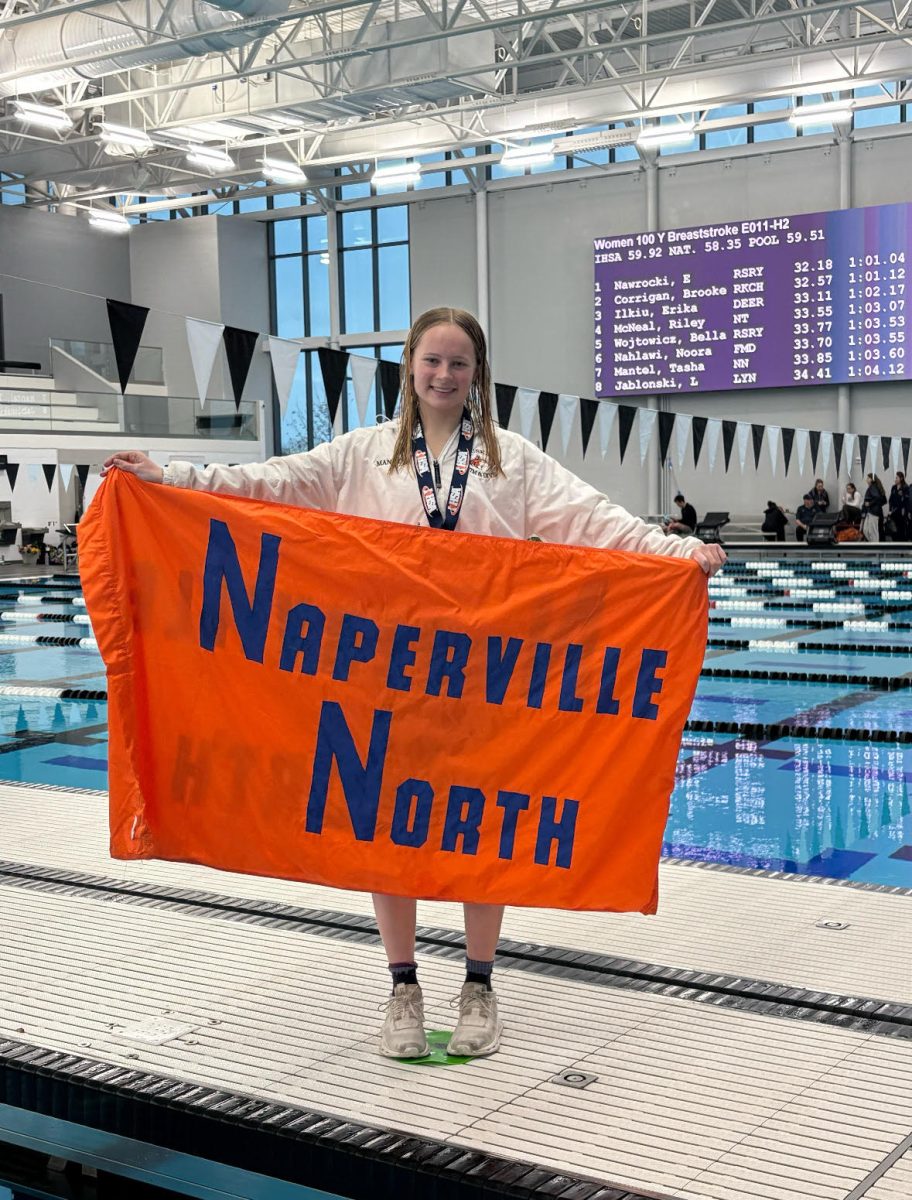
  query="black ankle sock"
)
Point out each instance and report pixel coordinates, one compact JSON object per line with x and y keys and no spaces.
{"x":403,"y":972}
{"x":479,"y":971}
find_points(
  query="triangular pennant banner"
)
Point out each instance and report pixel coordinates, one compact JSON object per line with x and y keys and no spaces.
{"x":666,"y":428}
{"x":626,"y":418}
{"x":390,"y":383}
{"x":588,"y":412}
{"x":698,"y":426}
{"x":505,"y":394}
{"x":648,"y":417}
{"x":801,"y":448}
{"x":12,"y":472}
{"x":127,"y":322}
{"x":826,"y":447}
{"x":203,"y":340}
{"x":566,"y":411}
{"x":905,"y":443}
{"x":33,"y":472}
{"x":528,"y":403}
{"x":873,"y":447}
{"x":713,"y":432}
{"x":757,"y":435}
{"x":850,"y":453}
{"x":547,"y":407}
{"x":82,"y":473}
{"x":894,"y":454}
{"x":885,"y":452}
{"x":788,"y":440}
{"x":334,"y":367}
{"x":66,"y":474}
{"x":239,"y":346}
{"x":50,"y":471}
{"x":682,"y":429}
{"x":838,"y":443}
{"x":744,"y":432}
{"x":814,"y":439}
{"x":363,"y":373}
{"x":284,"y":356}
{"x":862,"y":454}
{"x":772,"y":445}
{"x":728,"y":440}
{"x":606,"y":418}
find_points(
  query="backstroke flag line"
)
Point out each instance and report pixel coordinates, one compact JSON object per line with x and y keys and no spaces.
{"x":376,"y":706}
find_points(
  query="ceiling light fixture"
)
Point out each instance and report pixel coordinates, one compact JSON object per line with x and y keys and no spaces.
{"x":396,"y":173}
{"x":209,"y":131}
{"x":283,"y":172}
{"x":528,"y":156}
{"x":131,"y":140}
{"x":651,"y":136}
{"x":108,"y":220}
{"x":212,"y":160}
{"x":833,"y":110}
{"x":48,"y":115}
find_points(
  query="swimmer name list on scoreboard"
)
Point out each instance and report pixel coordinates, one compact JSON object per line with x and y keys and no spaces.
{"x":788,"y":301}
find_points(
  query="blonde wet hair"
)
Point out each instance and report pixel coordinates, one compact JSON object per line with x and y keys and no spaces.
{"x":480,"y":393}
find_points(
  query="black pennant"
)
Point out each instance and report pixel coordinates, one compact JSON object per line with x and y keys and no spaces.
{"x":12,"y":471}
{"x":666,"y":425}
{"x":239,"y":347}
{"x":814,"y":439}
{"x":728,"y":439}
{"x":838,"y":440}
{"x":588,"y":413}
{"x":127,"y":322}
{"x":788,"y":440}
{"x":505,"y":394}
{"x":333,"y":366}
{"x":863,"y":451}
{"x":757,"y":432}
{"x":82,"y":473}
{"x":905,"y":443}
{"x":885,"y":451}
{"x":626,"y":417}
{"x":698,"y":432}
{"x":390,"y":378}
{"x":547,"y":407}
{"x":50,"y":470}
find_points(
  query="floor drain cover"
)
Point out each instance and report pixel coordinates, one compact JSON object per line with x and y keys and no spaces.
{"x":826,"y":923}
{"x":577,"y":1079}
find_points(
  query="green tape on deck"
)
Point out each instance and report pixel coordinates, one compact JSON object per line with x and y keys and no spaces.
{"x":438,"y":1040}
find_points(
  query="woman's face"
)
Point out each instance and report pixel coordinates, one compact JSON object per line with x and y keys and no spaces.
{"x":819,"y":485}
{"x":443,"y":370}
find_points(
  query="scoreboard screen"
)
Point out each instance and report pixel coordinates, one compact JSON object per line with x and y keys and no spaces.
{"x":775,"y":302}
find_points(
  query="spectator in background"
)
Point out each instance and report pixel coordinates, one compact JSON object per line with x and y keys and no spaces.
{"x":774,"y":522}
{"x":899,"y":507}
{"x":687,"y":522}
{"x":804,"y":516}
{"x":875,"y":499}
{"x":851,"y":497}
{"x":820,"y":496}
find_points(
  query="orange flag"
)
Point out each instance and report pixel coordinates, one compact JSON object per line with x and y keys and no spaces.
{"x":388,"y":708}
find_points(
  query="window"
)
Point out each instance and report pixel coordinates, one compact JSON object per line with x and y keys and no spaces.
{"x":300,"y":276}
{"x":715,"y":139}
{"x":374,"y":269}
{"x":886,"y":114}
{"x":12,"y":193}
{"x":772,"y":131}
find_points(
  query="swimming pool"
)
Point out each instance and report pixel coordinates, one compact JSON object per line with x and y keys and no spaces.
{"x":798,"y":751}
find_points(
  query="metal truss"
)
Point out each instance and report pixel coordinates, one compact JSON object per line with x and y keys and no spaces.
{"x":347,"y":81}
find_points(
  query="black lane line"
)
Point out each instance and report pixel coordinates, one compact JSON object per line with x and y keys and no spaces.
{"x":859,"y":1013}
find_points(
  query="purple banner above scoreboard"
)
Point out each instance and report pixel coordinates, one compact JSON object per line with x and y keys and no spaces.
{"x":774,"y":302}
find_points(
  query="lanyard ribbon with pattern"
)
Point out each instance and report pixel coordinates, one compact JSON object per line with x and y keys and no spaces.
{"x":421,"y":458}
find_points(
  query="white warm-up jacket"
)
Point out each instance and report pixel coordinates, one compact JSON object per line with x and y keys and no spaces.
{"x":534,"y":496}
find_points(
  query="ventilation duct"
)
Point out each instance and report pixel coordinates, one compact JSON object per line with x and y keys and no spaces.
{"x":42,"y":55}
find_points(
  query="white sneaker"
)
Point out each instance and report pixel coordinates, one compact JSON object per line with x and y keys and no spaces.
{"x":403,"y":1033}
{"x":478,"y":1030}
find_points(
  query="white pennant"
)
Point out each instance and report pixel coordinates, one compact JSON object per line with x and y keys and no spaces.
{"x":873,"y":452}
{"x":566,"y":411}
{"x":896,"y":454}
{"x":6,"y":491}
{"x":606,"y":415}
{"x":648,"y":418}
{"x":363,"y":373}
{"x":528,"y":407}
{"x":801,"y":448}
{"x":848,"y":446}
{"x":744,"y":433}
{"x":204,"y":339}
{"x":772,"y":444}
{"x":66,"y":474}
{"x":284,"y":356}
{"x":826,"y":450}
{"x":683,"y":422}
{"x":713,"y":433}
{"x":33,"y":471}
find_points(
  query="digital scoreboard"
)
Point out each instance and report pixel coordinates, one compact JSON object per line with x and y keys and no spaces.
{"x":774,"y":302}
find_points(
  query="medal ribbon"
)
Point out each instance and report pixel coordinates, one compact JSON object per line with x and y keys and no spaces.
{"x":456,"y":494}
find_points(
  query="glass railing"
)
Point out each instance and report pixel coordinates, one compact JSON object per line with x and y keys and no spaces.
{"x":147,"y":416}
{"x":148,"y":367}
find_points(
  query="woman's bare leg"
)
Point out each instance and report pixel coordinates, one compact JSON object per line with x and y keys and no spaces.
{"x":396,"y":917}
{"x":403,"y":1034}
{"x":482,"y":926}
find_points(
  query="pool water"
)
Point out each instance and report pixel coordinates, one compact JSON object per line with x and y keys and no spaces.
{"x":835,"y":805}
